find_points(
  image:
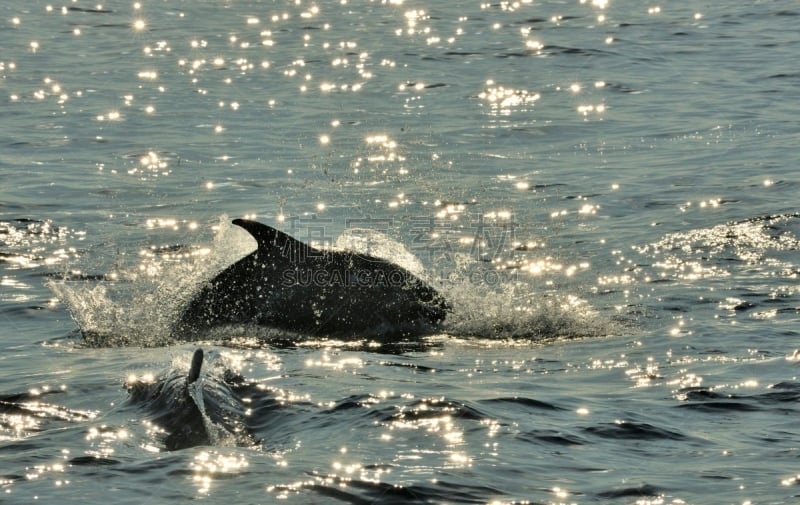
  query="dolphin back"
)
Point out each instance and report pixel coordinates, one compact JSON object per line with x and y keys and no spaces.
{"x":192,"y":412}
{"x":286,"y":284}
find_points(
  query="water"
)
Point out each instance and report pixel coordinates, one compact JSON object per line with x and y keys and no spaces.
{"x":606,"y":192}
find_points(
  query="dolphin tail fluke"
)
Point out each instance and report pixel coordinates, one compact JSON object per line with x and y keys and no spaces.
{"x":197,"y":364}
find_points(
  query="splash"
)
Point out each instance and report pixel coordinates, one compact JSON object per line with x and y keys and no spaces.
{"x":138,"y":305}
{"x":374,"y":243}
{"x":515,"y":311}
{"x":492,"y":302}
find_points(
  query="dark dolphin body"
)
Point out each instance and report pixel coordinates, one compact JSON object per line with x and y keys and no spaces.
{"x":288,"y":285}
{"x":193,"y":410}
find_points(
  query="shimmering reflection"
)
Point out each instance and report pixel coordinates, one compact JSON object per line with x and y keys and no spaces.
{"x":212,"y":465}
{"x":645,"y":375}
{"x":503,"y":101}
{"x":435,"y":417}
{"x":32,"y":243}
{"x":382,"y":157}
{"x":55,"y":472}
{"x":103,"y":440}
{"x":22,"y":415}
{"x":350,"y":364}
{"x":791,"y":481}
{"x":586,"y":110}
{"x":687,"y":254}
{"x":151,"y":164}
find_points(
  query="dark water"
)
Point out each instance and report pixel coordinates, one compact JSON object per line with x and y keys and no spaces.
{"x":606,"y":192}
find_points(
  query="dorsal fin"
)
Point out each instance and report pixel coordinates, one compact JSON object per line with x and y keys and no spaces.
{"x":194,"y":370}
{"x":269,"y":238}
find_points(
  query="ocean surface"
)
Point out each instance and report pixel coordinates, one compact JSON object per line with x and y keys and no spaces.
{"x":606,"y":191}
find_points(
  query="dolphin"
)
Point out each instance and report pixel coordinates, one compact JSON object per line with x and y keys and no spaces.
{"x":193,"y":410}
{"x":286,"y":284}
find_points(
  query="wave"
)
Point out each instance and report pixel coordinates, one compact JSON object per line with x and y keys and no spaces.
{"x":191,"y":406}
